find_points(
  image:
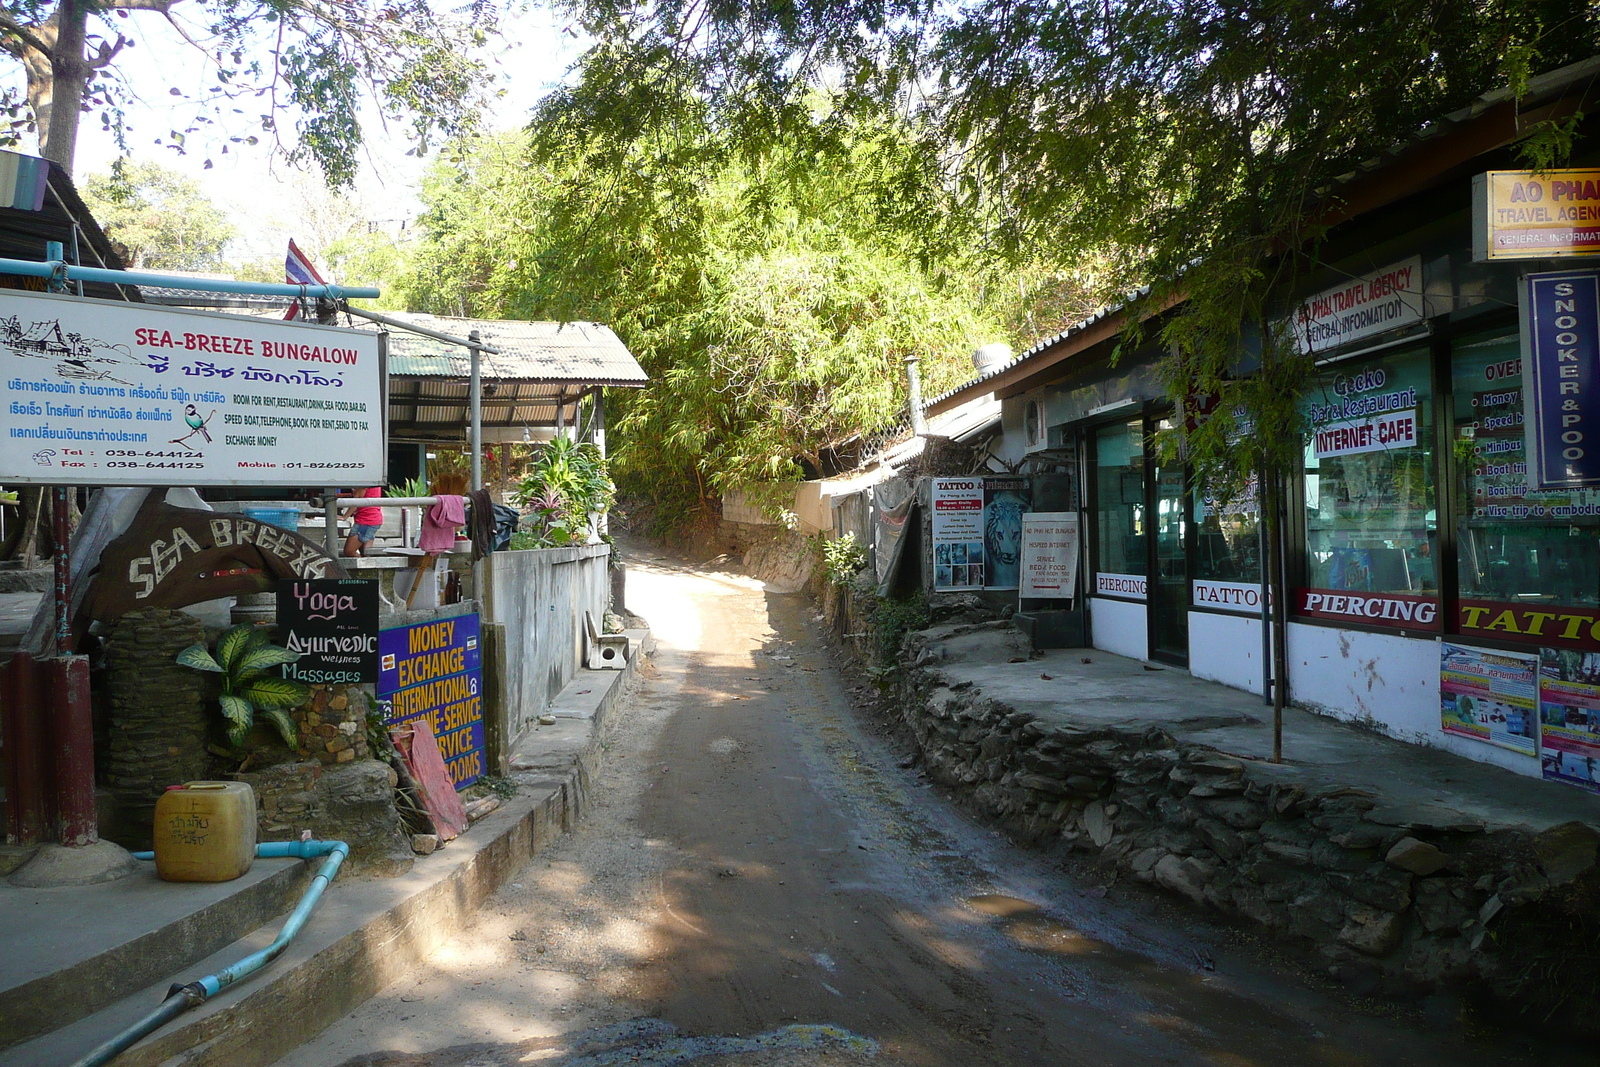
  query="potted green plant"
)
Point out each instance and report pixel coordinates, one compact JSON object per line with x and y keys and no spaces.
{"x":244,"y":659}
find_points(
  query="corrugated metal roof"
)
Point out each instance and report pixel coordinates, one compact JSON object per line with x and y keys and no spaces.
{"x":560,"y":353}
{"x":1039,"y":346}
{"x":575,"y":353}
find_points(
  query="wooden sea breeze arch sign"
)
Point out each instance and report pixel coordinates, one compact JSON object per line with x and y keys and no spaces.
{"x":171,"y":557}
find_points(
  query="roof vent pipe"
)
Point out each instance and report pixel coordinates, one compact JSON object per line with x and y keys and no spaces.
{"x":919,"y":425}
{"x":992,"y":357}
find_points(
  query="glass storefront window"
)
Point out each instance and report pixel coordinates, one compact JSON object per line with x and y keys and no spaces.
{"x":1370,"y":504}
{"x":1119,"y":489}
{"x":1227,"y":545}
{"x":1518,"y":547}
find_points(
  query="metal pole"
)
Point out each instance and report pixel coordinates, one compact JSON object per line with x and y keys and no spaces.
{"x":57,"y":266}
{"x":330,"y":520}
{"x":401,"y":324}
{"x":61,"y":532}
{"x":919,"y":424}
{"x":474,"y":346}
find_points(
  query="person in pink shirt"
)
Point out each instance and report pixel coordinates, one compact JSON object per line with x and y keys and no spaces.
{"x":366,"y":522}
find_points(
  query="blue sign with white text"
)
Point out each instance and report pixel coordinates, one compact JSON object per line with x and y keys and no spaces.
{"x":1561,"y":339}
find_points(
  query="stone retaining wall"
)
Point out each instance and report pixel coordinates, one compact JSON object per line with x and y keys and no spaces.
{"x":1392,"y":899}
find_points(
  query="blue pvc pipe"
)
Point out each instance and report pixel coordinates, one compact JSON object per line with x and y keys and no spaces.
{"x":55,"y":268}
{"x":181,"y":998}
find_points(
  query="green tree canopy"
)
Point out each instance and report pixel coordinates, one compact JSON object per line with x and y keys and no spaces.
{"x":1171,"y":142}
{"x":158,"y":219}
{"x":296,"y":72}
{"x":771,"y":298}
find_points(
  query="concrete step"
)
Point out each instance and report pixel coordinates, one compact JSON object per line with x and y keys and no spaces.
{"x":366,"y":932}
{"x":72,"y":951}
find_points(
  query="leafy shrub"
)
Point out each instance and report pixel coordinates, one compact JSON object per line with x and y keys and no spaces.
{"x":842,"y":559}
{"x":243,"y":657}
{"x":565,"y":484}
{"x":892,"y":619}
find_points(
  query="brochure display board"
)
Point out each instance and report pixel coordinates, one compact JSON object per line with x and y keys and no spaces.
{"x":1569,"y":717}
{"x":1489,"y":695}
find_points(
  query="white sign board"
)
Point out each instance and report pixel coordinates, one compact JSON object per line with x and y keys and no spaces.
{"x":1049,"y":554}
{"x":1397,"y":429}
{"x":957,"y":533}
{"x":1371,"y":304}
{"x":99,"y":392}
{"x":1128,"y":586}
{"x":1242,"y":597}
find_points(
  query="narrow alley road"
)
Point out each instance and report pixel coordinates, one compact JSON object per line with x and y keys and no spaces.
{"x":760,"y":882}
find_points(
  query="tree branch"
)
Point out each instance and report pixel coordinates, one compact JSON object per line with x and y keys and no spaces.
{"x":163,"y":6}
{"x":23,"y":33}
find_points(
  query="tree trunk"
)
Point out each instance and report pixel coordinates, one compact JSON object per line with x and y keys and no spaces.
{"x":69,"y":78}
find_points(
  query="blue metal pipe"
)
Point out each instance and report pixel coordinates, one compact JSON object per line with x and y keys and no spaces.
{"x":180,"y":998}
{"x":55,"y":268}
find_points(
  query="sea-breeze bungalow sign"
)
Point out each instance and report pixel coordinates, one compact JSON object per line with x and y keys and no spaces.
{"x":99,"y":392}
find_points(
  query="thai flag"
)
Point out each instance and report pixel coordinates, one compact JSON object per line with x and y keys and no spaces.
{"x":297,"y":270}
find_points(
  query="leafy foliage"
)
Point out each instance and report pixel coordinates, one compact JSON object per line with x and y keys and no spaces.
{"x":298,"y":72}
{"x":158,"y":219}
{"x":842,"y":558}
{"x":244,"y":659}
{"x":1189,"y":146}
{"x":565,"y":484}
{"x":771,"y":298}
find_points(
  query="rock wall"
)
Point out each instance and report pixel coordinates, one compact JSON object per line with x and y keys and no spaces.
{"x":158,"y":716}
{"x":332,"y":725}
{"x":1392,"y":899}
{"x":351,"y":801}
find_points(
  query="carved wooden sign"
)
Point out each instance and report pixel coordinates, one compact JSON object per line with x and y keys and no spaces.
{"x":172,"y":557}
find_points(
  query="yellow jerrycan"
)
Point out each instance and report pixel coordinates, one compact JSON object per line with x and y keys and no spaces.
{"x":205,"y":832}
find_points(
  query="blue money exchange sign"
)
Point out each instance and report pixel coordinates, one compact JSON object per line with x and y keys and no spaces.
{"x":1561,"y":340}
{"x":434,"y":669}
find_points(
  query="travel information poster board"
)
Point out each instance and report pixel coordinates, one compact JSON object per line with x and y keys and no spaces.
{"x":434,"y":669}
{"x":1569,"y":717}
{"x":98,"y":392}
{"x":1489,"y":695}
{"x":957,"y":533}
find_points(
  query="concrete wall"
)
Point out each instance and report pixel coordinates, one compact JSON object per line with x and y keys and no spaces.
{"x":1120,"y":627}
{"x":1385,"y":681}
{"x":1226,"y":649}
{"x":540,"y":596}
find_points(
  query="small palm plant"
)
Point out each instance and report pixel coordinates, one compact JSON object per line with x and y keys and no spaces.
{"x":243,"y":657}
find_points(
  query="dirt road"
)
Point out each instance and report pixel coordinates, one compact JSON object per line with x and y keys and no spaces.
{"x":761,"y":883}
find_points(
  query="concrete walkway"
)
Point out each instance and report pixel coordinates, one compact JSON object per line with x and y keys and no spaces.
{"x":1088,"y":688}
{"x":365,"y":932}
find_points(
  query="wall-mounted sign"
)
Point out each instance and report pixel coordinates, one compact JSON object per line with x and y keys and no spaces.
{"x":98,"y":392}
{"x":1561,"y":346}
{"x":1049,"y":555}
{"x":1395,"y":610}
{"x":1126,"y":586}
{"x":333,"y":624}
{"x":434,"y":669}
{"x":1241,"y":597}
{"x":1489,"y":695}
{"x":958,"y":533}
{"x":1523,"y":214}
{"x":173,"y":557}
{"x":1369,"y":304}
{"x":1005,"y":502}
{"x":1547,"y":624}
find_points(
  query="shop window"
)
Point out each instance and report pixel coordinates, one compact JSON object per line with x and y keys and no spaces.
{"x":1518,"y":548}
{"x":1370,"y":498}
{"x":1227,"y":544}
{"x":1119,"y":489}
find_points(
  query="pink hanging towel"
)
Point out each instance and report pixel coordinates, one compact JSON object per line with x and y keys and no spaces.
{"x":440,"y":523}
